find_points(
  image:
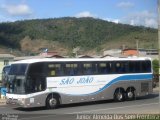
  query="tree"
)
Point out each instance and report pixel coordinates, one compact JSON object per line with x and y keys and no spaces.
{"x":155,"y":64}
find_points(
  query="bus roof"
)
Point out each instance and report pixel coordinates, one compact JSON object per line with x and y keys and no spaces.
{"x":29,"y":61}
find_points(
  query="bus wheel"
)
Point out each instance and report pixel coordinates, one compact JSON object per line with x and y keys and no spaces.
{"x":52,"y":102}
{"x":119,"y":95}
{"x":130,"y":95}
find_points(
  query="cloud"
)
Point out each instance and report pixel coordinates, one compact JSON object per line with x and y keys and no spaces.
{"x":89,"y":14}
{"x":85,"y":14}
{"x":144,"y":18}
{"x":125,"y":4}
{"x":112,"y":20}
{"x":17,"y":10}
{"x":151,"y":22}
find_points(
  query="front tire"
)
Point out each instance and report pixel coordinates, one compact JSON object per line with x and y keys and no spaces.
{"x":52,"y":102}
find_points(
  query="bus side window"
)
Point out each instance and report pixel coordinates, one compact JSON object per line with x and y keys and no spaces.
{"x":58,"y":69}
{"x":51,"y":70}
{"x":87,"y":67}
{"x":53,"y":73}
{"x":145,"y":66}
{"x":126,"y":67}
{"x":131,"y":67}
{"x":138,"y":67}
{"x":111,"y":67}
{"x":72,"y":69}
{"x":121,"y":67}
{"x":75,"y":66}
{"x":55,"y":69}
{"x":103,"y":68}
{"x":95,"y":69}
{"x":68,"y":70}
{"x":148,"y":65}
{"x":118,"y":67}
{"x":79,"y":69}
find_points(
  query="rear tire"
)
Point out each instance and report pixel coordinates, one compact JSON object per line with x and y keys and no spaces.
{"x":52,"y":102}
{"x":119,"y":95}
{"x":130,"y":94}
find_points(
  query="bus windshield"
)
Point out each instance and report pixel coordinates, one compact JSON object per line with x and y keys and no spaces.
{"x":18,"y":69}
{"x":17,"y":80}
{"x":16,"y":84}
{"x":25,"y":80}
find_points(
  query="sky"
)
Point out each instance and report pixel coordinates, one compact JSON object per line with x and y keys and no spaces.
{"x":133,"y":12}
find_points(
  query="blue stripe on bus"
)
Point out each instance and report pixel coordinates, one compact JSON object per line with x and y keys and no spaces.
{"x":125,"y":78}
{"x":118,"y":79}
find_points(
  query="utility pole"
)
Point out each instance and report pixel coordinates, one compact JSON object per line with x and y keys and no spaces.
{"x":137,"y":42}
{"x":159,"y":47}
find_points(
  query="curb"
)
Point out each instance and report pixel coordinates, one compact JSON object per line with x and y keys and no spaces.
{"x":2,"y":102}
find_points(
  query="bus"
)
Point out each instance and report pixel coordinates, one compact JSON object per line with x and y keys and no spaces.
{"x":51,"y":82}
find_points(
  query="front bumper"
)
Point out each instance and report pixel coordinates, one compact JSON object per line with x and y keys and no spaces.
{"x":14,"y":102}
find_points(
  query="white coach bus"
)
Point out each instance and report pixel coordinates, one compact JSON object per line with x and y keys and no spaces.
{"x":50,"y":82}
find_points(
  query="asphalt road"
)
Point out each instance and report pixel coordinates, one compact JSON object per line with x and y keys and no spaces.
{"x":143,"y":105}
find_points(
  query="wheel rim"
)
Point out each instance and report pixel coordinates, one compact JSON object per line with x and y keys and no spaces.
{"x":52,"y":102}
{"x":130,"y":94}
{"x":119,"y":96}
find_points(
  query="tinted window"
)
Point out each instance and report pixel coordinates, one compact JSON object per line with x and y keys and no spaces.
{"x":121,"y":67}
{"x":54,"y":69}
{"x":37,"y":69}
{"x":95,"y":68}
{"x":139,"y":66}
{"x":146,"y":66}
{"x":36,"y":78}
{"x":87,"y":69}
{"x":71,"y":69}
{"x":106,"y":68}
{"x":18,"y":69}
{"x":131,"y":67}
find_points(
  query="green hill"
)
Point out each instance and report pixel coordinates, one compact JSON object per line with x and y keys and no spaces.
{"x":64,"y":34}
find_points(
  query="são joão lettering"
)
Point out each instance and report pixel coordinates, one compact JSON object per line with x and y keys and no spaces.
{"x":72,"y":80}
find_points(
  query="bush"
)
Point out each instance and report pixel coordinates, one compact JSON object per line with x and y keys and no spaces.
{"x":155,"y":64}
